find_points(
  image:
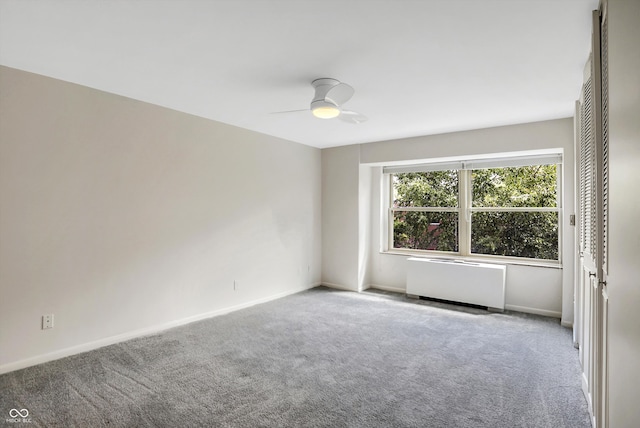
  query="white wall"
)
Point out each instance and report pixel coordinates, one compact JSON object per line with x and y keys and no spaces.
{"x":528,"y":289}
{"x":340,"y":217}
{"x":624,"y":211}
{"x":365,"y":201}
{"x":121,"y":217}
{"x":543,"y":290}
{"x":529,"y":136}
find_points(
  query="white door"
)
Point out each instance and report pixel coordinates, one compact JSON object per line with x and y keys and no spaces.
{"x":592,"y":163}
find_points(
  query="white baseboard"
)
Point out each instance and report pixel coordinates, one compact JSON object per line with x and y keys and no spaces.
{"x":337,"y":286}
{"x":516,"y":308}
{"x":535,"y":311}
{"x":388,"y":288}
{"x":90,"y":346}
{"x":543,"y":312}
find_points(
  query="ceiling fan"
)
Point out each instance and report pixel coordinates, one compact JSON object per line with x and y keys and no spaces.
{"x":327,"y":101}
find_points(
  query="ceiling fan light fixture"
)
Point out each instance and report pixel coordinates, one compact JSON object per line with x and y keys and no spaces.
{"x":324,"y":109}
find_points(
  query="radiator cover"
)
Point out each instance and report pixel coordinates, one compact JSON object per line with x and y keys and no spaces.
{"x":458,"y":281}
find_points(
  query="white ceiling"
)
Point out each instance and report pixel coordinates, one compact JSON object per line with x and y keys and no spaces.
{"x":418,"y":67}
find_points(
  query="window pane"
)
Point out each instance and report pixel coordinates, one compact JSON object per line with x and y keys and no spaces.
{"x":526,"y":186}
{"x":426,"y":189}
{"x":518,"y":234}
{"x":425,"y":230}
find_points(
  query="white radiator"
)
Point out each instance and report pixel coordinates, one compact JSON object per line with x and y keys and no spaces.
{"x":458,"y":281}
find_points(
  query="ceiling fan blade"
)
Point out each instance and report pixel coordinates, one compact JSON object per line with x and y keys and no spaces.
{"x":289,"y":111}
{"x":352,"y":117}
{"x":340,"y":93}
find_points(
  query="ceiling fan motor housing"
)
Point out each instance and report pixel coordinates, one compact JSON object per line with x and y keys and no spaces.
{"x":322,"y":87}
{"x":329,"y":94}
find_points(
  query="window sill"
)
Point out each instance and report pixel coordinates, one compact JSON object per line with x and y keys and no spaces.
{"x":478,"y":259}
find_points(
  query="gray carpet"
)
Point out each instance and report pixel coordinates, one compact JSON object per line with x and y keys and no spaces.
{"x":321,"y":358}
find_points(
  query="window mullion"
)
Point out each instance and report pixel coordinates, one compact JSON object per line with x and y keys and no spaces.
{"x":390,"y":244}
{"x":560,"y":205}
{"x":464,"y":214}
{"x":516,"y":209}
{"x":427,"y":209}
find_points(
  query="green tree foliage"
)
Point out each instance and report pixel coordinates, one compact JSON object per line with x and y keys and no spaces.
{"x":528,"y":186}
{"x":426,"y":189}
{"x":519,"y":234}
{"x":423,"y":229}
{"x":426,"y":230}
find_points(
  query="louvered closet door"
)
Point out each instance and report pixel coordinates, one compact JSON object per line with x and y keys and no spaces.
{"x":588,"y":281}
{"x":592,"y":159}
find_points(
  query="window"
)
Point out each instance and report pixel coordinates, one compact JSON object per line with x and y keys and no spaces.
{"x":425,"y":210}
{"x":515,"y":212}
{"x":507,"y":207}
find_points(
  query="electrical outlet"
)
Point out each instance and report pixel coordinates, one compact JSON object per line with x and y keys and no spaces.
{"x":47,"y":321}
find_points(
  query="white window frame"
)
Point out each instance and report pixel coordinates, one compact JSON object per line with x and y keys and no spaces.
{"x":465,"y":209}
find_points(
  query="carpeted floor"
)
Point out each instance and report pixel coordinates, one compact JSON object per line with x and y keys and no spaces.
{"x":321,"y":358}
